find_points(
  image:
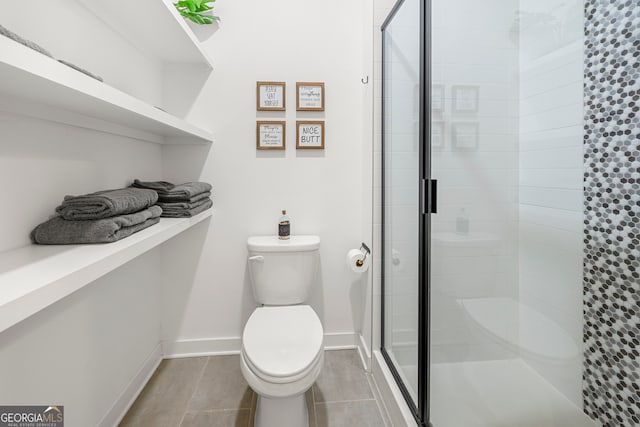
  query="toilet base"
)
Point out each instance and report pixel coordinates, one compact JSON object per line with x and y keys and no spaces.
{"x":282,"y":412}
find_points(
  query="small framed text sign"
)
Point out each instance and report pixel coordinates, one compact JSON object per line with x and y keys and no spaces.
{"x":270,"y":96}
{"x":310,"y":135}
{"x":309,"y":96}
{"x":465,"y":99}
{"x":465,"y":136}
{"x":270,"y":135}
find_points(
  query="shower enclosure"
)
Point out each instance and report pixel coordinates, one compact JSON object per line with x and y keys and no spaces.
{"x":482,"y":210}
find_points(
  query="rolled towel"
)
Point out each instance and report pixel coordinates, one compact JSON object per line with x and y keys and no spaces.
{"x":170,"y":192}
{"x":191,"y":203}
{"x":58,"y":231}
{"x":28,"y":43}
{"x":186,"y":213}
{"x":107,"y":203}
{"x":82,"y":70}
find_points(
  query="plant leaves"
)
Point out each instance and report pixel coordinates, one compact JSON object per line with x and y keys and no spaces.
{"x":192,"y":10}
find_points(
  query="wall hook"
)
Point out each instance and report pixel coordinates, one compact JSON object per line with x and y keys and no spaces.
{"x":364,"y":82}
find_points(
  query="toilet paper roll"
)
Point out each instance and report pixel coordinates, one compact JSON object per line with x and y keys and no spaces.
{"x":355,"y":255}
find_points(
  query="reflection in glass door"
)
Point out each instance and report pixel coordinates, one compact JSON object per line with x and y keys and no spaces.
{"x":403,"y":339}
{"x":482,"y":301}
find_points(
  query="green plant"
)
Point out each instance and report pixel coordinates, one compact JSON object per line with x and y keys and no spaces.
{"x":194,"y":11}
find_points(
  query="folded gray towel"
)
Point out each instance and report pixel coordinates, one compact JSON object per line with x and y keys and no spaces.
{"x":82,"y":70}
{"x":159,"y":186}
{"x":182,"y":206}
{"x":168,"y":192}
{"x":58,"y":231}
{"x":191,"y":203}
{"x":188,"y":212}
{"x":28,"y":43}
{"x":107,"y":203}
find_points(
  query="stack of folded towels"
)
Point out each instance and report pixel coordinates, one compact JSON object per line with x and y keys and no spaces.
{"x":102,"y":217}
{"x":179,"y":200}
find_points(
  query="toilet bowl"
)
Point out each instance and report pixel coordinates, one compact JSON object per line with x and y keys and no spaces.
{"x":282,"y":342}
{"x":282,"y":356}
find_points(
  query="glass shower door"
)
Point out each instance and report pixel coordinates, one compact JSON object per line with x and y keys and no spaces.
{"x":403,"y":343}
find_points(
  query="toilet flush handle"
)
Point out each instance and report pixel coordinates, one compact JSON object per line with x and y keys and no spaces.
{"x":256,"y":258}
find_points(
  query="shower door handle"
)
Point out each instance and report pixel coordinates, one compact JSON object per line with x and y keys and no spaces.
{"x":429,"y":202}
{"x":433,"y":202}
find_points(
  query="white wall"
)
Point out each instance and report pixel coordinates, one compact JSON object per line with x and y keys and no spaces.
{"x":550,"y":228}
{"x":83,"y":351}
{"x":322,"y":190}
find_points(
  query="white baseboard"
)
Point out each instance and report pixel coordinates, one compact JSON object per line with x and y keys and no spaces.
{"x":398,"y":411}
{"x":132,"y":390}
{"x":201,"y":347}
{"x":340,"y":341}
{"x":364,"y":353}
{"x":232,"y":345}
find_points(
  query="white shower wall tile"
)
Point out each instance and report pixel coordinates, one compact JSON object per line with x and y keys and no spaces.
{"x":552,"y":138}
{"x":556,"y":158}
{"x":570,"y":178}
{"x":558,"y":97}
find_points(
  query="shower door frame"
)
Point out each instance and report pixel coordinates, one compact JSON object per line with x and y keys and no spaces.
{"x":426,"y":194}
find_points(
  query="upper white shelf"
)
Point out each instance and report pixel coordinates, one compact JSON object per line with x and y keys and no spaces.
{"x":34,"y":277}
{"x":59,"y":93}
{"x":153,"y":26}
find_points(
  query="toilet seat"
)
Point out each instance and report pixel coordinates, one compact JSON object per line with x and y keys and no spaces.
{"x":282,"y":344}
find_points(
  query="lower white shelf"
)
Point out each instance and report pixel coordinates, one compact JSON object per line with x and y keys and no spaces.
{"x":35,"y":276}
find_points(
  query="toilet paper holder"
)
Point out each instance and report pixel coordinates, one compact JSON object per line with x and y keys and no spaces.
{"x":365,"y":252}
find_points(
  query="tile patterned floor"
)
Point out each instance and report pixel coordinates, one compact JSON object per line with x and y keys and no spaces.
{"x":211,"y":392}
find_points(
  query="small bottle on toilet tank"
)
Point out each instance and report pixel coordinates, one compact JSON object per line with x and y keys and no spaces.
{"x":284,"y":226}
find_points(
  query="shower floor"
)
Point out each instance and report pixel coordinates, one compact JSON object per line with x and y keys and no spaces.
{"x":500,"y":393}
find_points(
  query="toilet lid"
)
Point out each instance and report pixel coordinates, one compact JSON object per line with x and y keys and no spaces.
{"x":282,"y":341}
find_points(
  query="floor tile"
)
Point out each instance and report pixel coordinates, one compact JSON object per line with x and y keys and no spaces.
{"x":342,"y":378}
{"x":227,"y":418}
{"x":164,"y":399}
{"x":222,"y":386}
{"x":363,"y":413}
{"x":211,"y":391}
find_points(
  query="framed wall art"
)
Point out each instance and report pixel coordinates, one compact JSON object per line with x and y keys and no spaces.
{"x":271,"y":96}
{"x":465,"y":99}
{"x":310,"y":135}
{"x":437,"y":98}
{"x":437,"y":135}
{"x":309,"y":96}
{"x":465,"y":135}
{"x":271,"y":135}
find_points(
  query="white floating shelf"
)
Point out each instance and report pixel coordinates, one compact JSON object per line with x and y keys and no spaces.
{"x":153,"y":26}
{"x":35,"y":276}
{"x":56,"y":92}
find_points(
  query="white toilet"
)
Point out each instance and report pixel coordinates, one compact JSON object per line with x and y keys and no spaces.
{"x":282,"y":343}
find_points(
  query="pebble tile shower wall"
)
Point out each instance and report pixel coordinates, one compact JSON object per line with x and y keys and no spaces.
{"x":612,"y":217}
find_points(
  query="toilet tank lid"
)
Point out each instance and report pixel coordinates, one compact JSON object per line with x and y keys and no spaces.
{"x":274,"y":244}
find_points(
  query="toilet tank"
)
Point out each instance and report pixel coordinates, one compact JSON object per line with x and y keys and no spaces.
{"x":282,"y":271}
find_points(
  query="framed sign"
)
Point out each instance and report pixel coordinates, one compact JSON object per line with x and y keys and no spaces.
{"x":310,"y":135}
{"x":309,"y":96}
{"x":437,"y":135}
{"x":437,"y":98}
{"x":271,"y":135}
{"x":465,"y":99}
{"x":465,"y":135}
{"x":270,"y":96}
